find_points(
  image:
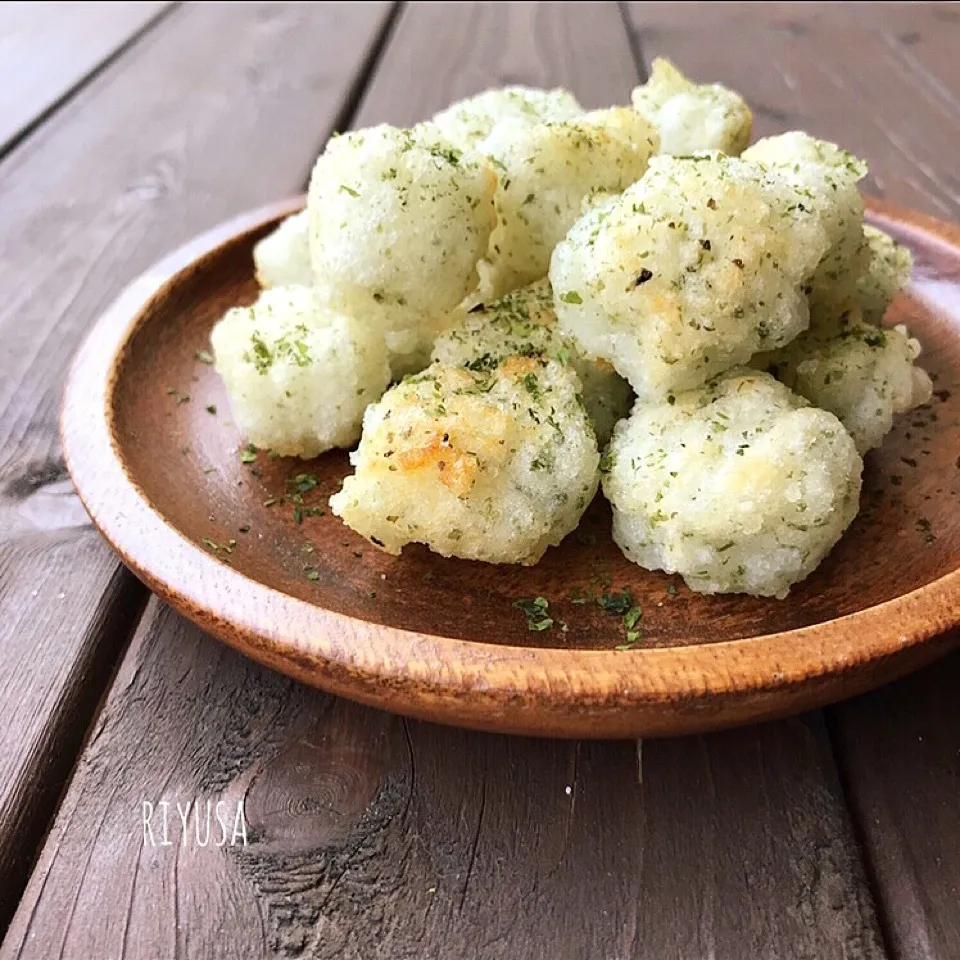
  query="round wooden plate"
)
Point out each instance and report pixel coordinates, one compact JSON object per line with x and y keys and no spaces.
{"x":157,"y":462}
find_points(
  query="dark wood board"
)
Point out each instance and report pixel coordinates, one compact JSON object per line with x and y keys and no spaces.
{"x":371,"y":836}
{"x":885,"y":80}
{"x":900,"y":751}
{"x":379,"y":837}
{"x":169,"y":139}
{"x":49,"y":49}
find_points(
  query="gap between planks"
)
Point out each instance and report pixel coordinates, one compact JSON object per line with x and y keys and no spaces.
{"x":46,"y":110}
{"x":42,"y":766}
{"x":787,"y":848}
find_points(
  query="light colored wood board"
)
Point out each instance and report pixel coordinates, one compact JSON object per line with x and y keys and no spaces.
{"x":48,"y":693}
{"x":369,"y":835}
{"x":836,"y":70}
{"x":464,"y":48}
{"x":48,"y":49}
{"x":153,"y":146}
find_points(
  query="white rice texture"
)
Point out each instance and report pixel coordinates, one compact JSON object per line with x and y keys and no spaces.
{"x":299,"y":375}
{"x":738,"y":486}
{"x":691,"y":117}
{"x":495,"y":465}
{"x":524,"y":323}
{"x":545,"y":171}
{"x":692,"y":270}
{"x":825,"y":177}
{"x":864,"y":375}
{"x":888,"y":272}
{"x":282,"y":258}
{"x":466,"y":122}
{"x":398,"y":220}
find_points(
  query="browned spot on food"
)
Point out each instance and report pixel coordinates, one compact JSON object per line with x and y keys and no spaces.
{"x":456,"y":471}
{"x":518,"y":366}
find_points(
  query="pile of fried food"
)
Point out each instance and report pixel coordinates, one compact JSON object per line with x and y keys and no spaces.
{"x":630,"y":297}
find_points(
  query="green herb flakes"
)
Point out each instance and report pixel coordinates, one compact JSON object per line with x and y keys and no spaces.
{"x":535,"y":609}
{"x":618,"y":603}
{"x":302,"y":483}
{"x":632,"y":638}
{"x":925,"y":529}
{"x":219,"y":548}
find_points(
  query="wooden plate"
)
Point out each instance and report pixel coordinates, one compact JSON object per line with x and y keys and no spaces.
{"x":161,"y":476}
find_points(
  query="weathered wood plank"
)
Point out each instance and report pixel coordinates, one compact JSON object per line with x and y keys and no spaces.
{"x":900,"y":750}
{"x":48,"y":49}
{"x":370,"y":836}
{"x":373,"y":836}
{"x":216,"y":110}
{"x":883,"y":79}
{"x":442,"y":52}
{"x":836,"y":70}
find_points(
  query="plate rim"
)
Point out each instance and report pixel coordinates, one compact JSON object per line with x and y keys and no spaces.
{"x":538,"y":690}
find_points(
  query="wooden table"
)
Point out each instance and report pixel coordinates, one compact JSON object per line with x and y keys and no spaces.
{"x":127,"y":128}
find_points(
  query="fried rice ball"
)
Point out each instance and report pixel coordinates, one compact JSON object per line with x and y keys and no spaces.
{"x":691,"y":271}
{"x":524,"y":323}
{"x":826,"y":178}
{"x":739,"y":486}
{"x":282,"y":258}
{"x":408,"y":351}
{"x":398,"y":220}
{"x":493,"y":465}
{"x":545,"y":171}
{"x":864,"y":375}
{"x":467,"y":122}
{"x":299,"y":375}
{"x":888,"y":272}
{"x":691,"y":117}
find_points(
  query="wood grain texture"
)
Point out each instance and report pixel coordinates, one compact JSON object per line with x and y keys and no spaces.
{"x":865,"y":86}
{"x":900,"y":751}
{"x":49,"y":49}
{"x":145,"y":156}
{"x":471,"y":47}
{"x":883,"y":79}
{"x":391,"y":838}
{"x":373,"y":836}
{"x":166,"y":482}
